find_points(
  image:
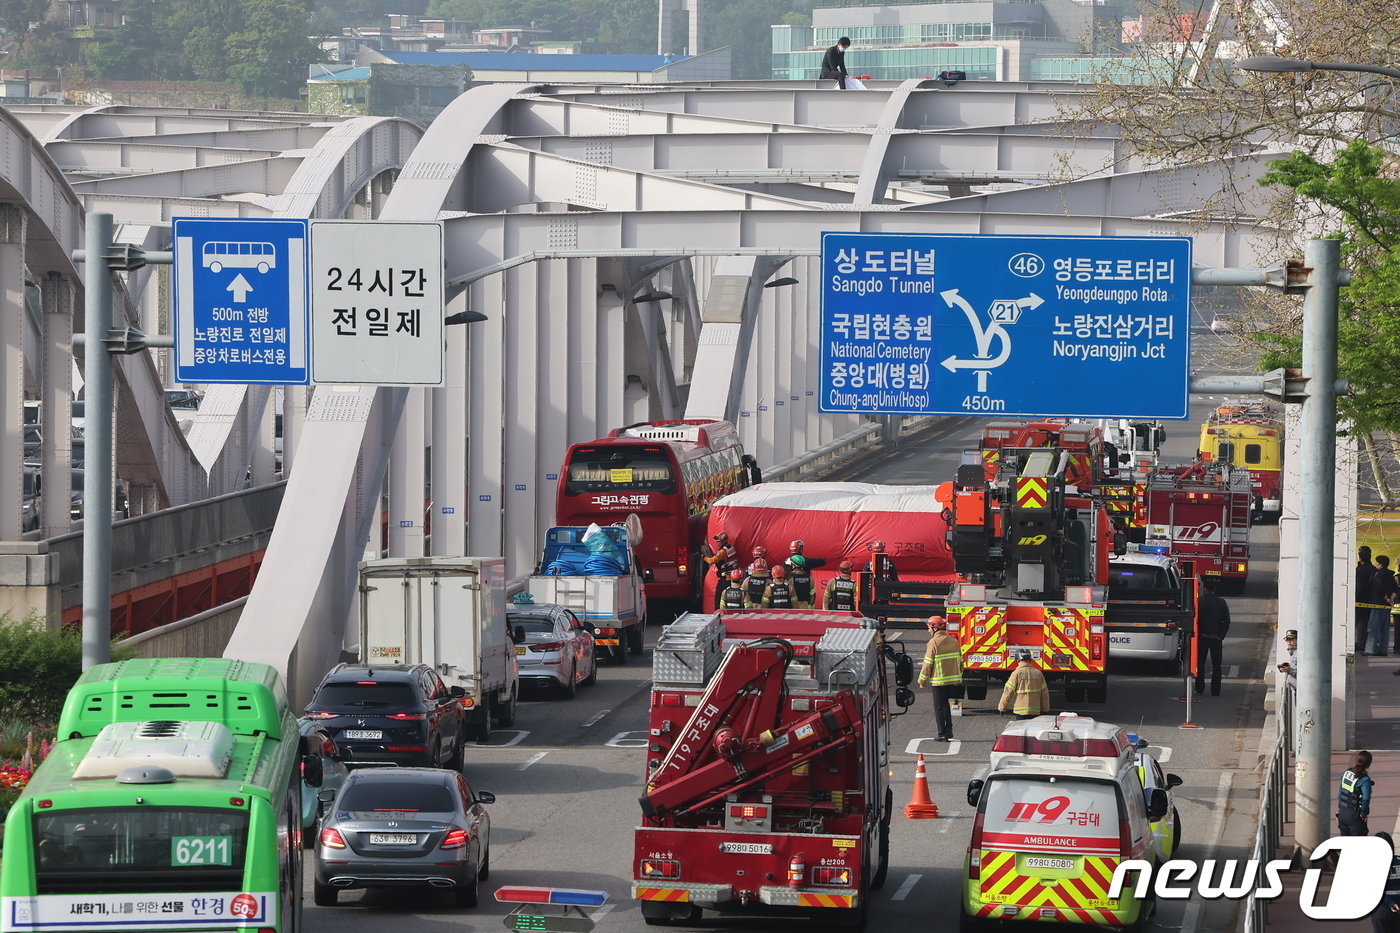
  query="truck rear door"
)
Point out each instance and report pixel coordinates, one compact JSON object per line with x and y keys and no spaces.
{"x":389,"y":633}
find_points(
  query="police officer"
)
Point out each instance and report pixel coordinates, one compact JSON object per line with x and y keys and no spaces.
{"x":732,"y":596}
{"x":880,"y":563}
{"x":1354,"y":797}
{"x":757,"y":583}
{"x":1026,"y":694}
{"x":840,"y":592}
{"x":942,"y":671}
{"x":800,"y":578}
{"x":1386,"y":917}
{"x":778,"y":594}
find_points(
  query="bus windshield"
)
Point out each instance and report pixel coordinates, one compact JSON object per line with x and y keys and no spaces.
{"x":146,"y":848}
{"x":620,"y":469}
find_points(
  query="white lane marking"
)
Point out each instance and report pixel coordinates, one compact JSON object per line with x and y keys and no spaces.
{"x":595,"y":718}
{"x":531,"y":760}
{"x":518,"y":733}
{"x":906,"y":887}
{"x":1163,"y":754}
{"x":943,"y":821}
{"x":626,"y":740}
{"x":916,"y":747}
{"x":1232,"y":671}
{"x":1191,"y":917}
{"x":601,"y":912}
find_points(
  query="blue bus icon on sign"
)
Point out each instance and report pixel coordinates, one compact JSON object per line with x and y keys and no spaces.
{"x":219,"y":255}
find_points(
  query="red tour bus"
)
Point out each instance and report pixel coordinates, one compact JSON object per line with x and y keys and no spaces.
{"x":668,"y":473}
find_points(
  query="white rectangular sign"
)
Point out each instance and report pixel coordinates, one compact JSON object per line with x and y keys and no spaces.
{"x":376,"y":302}
{"x":54,"y":913}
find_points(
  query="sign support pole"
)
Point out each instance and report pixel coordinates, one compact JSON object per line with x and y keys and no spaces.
{"x":100,"y":259}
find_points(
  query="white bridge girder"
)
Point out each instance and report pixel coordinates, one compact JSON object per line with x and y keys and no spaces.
{"x":567,"y":353}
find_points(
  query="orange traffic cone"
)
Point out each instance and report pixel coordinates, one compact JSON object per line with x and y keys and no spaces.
{"x":920,"y":807}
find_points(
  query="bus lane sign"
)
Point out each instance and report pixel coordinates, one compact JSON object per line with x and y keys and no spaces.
{"x":240,"y":301}
{"x":1091,"y":327}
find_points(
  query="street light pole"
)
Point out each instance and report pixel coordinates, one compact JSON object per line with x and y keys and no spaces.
{"x":1275,"y":63}
{"x":1318,"y":476}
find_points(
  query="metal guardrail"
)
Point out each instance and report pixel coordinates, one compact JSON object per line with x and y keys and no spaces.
{"x":172,"y":533}
{"x":1272,"y":809}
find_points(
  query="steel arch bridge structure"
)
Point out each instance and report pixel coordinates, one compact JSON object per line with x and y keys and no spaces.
{"x":618,"y":240}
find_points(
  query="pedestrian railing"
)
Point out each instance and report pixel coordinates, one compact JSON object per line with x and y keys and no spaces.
{"x":1274,"y":806}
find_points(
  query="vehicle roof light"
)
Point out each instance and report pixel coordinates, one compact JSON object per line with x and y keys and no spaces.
{"x":523,"y":894}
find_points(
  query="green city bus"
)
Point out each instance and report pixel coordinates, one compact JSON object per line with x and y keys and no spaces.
{"x":171,"y":801}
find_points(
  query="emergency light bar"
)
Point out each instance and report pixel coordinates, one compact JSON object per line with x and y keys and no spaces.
{"x":523,"y":894}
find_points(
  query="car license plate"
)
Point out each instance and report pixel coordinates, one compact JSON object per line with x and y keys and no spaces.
{"x":392,"y":839}
{"x":519,"y":649}
{"x":362,"y":734}
{"x":746,"y":848}
{"x":1050,"y":863}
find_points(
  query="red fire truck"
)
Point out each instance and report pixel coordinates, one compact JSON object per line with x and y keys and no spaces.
{"x":1032,"y":556}
{"x":767,"y":772}
{"x":1200,"y":514}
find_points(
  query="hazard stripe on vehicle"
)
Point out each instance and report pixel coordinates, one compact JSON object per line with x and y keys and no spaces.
{"x":805,"y":899}
{"x":1081,"y":898}
{"x":663,"y":894}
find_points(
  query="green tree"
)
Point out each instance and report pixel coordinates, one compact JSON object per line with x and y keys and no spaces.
{"x":193,"y":33}
{"x":16,"y":16}
{"x":270,"y":54}
{"x":133,"y":52}
{"x":38,"y":666}
{"x":1365,"y":194}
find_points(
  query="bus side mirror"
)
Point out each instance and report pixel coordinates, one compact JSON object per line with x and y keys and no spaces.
{"x":312,"y":771}
{"x":1174,"y":780}
{"x":903,"y":697}
{"x":974,"y":791}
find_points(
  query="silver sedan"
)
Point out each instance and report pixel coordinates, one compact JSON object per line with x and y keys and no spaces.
{"x":552,"y":647}
{"x":393,"y":827}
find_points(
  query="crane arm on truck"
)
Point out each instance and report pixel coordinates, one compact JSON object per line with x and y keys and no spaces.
{"x":733,"y":739}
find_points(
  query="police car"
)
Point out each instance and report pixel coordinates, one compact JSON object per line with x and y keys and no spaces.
{"x":1064,"y":799}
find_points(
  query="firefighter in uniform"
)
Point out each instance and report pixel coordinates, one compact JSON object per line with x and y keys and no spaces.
{"x":942,"y":671}
{"x":1354,"y":797}
{"x":732,"y":596}
{"x":757,"y":583}
{"x":1026,"y":694}
{"x":724,"y":559}
{"x":800,"y":578}
{"x":798,"y":548}
{"x":840,"y":592}
{"x":778,"y":594}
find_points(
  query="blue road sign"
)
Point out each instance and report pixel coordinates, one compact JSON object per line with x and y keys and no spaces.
{"x":241,"y":313}
{"x":1089,"y":327}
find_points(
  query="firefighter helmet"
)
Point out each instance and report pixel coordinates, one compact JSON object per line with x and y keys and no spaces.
{"x":797,"y":545}
{"x":846,"y":566}
{"x":758,"y":564}
{"x":779,"y":571}
{"x":798,"y":561}
{"x":760,"y":551}
{"x":736,"y":575}
{"x":720,"y":538}
{"x":877,"y":547}
{"x":937,"y":622}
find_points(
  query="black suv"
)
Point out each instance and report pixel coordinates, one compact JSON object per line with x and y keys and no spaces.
{"x":391,"y":715}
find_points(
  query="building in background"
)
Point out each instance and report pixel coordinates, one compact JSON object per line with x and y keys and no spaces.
{"x":994,"y":41}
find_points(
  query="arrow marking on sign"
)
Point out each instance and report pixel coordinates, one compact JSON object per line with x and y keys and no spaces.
{"x":982,"y":375}
{"x":240,"y":288}
{"x":953,"y":364}
{"x":1031,"y":301}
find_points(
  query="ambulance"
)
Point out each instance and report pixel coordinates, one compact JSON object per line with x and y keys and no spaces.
{"x":1064,"y":799}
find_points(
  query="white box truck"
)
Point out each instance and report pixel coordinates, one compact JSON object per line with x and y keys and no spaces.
{"x":450,"y":613}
